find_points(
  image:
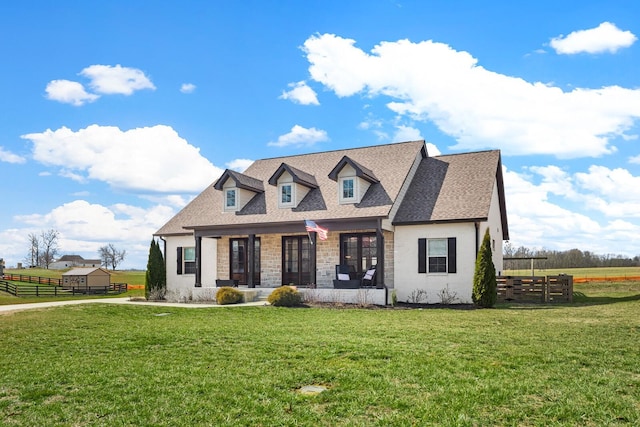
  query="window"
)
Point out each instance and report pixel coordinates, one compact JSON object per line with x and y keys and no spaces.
{"x":189,"y":260}
{"x":437,"y":255}
{"x":230,"y":199}
{"x":186,"y":260}
{"x":286,"y":195}
{"x":347,"y":189}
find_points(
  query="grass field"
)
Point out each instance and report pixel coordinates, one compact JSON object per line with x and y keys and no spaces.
{"x":515,"y":365}
{"x":601,"y":273}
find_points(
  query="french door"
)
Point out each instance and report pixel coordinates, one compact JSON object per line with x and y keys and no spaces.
{"x":238,"y":261}
{"x":296,"y":260}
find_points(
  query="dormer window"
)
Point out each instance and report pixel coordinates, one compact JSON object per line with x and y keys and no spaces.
{"x":237,"y":190}
{"x":231,"y":202}
{"x":293,"y":185}
{"x":353,"y":180}
{"x":348,"y":193}
{"x":286,"y":195}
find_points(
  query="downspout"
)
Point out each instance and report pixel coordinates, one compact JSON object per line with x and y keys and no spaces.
{"x":477,"y":224}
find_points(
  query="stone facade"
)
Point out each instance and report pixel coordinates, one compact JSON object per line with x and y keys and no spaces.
{"x":327,"y":257}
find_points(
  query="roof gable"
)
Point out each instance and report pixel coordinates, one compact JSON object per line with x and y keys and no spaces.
{"x":361,"y":171}
{"x":241,"y":180}
{"x":298,"y":176}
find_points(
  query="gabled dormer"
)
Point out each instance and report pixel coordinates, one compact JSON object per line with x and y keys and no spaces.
{"x":353,"y":180}
{"x":293,"y":185}
{"x":238,"y":189}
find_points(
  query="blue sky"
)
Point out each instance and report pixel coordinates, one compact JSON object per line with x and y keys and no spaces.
{"x":113,"y":115}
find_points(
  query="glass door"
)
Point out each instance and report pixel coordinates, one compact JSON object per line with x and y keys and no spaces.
{"x":238,"y":261}
{"x":296,"y":260}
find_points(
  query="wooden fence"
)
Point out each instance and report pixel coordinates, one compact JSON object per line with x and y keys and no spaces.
{"x":32,"y":279}
{"x":51,"y":291}
{"x":535,"y":289}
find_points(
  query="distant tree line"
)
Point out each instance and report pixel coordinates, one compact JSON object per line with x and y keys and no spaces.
{"x":573,"y":258}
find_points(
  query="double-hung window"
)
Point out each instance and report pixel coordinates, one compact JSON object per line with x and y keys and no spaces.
{"x":437,"y":255}
{"x":189,"y":260}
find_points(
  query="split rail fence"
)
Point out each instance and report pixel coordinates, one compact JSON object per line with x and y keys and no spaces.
{"x":44,"y":289}
{"x":535,"y":289}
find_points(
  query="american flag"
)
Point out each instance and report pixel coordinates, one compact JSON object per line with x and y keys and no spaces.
{"x":312,"y":226}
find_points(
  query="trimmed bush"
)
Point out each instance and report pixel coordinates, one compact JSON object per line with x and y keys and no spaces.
{"x":285,"y":296}
{"x":484,"y":280}
{"x":228,"y":295}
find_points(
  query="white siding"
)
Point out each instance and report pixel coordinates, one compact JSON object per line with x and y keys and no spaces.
{"x":408,"y":280}
{"x":180,"y":286}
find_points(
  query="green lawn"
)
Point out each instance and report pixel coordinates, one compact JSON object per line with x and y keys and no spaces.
{"x":579,"y":273}
{"x":135,"y":366}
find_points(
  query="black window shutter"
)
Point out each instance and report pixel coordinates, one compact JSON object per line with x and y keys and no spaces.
{"x":179,"y":257}
{"x":422,"y":255}
{"x":451,"y":255}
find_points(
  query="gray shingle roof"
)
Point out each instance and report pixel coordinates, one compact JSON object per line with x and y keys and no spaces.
{"x":455,"y":187}
{"x":391,"y":163}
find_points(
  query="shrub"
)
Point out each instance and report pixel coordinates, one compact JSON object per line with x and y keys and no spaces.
{"x":285,"y":296}
{"x":228,"y":295}
{"x":484,"y":280}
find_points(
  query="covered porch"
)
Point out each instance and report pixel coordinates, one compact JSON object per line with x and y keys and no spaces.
{"x":275,"y":254}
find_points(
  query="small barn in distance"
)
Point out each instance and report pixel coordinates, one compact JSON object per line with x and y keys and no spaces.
{"x":86,"y":278}
{"x":67,"y":261}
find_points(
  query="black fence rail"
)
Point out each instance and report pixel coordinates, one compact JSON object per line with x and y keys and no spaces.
{"x":51,"y":291}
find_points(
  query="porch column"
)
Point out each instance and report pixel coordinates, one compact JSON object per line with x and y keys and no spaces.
{"x":251,"y":244}
{"x":198,"y":262}
{"x":380,"y":255}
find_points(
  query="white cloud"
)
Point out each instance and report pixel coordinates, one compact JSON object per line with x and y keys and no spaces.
{"x":187,"y":88}
{"x":149,"y":159}
{"x":9,"y":157}
{"x":407,"y":133}
{"x":481,"y":109}
{"x":84,"y":227}
{"x":69,"y":92}
{"x":239,"y":165}
{"x":537,"y":221}
{"x":635,"y":159}
{"x":107,"y":79}
{"x":300,"y":136}
{"x":301,"y":94}
{"x":606,"y":37}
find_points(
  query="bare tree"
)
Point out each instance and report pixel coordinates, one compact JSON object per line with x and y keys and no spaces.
{"x":49,"y":246}
{"x":33,"y":256}
{"x":110,"y":256}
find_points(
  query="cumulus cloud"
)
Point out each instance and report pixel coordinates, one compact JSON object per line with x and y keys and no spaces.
{"x":84,"y":227}
{"x":187,"y":88}
{"x":9,"y":157}
{"x":301,"y":93}
{"x":407,"y":133}
{"x":300,"y":136}
{"x":431,"y":82}
{"x":107,"y":79}
{"x":69,"y":92}
{"x":635,"y":159}
{"x":606,"y":37}
{"x":239,"y":165}
{"x":149,"y":159}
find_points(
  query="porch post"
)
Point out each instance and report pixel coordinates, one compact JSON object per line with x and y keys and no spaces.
{"x":380,"y":255}
{"x":198,"y":262}
{"x":251,"y":244}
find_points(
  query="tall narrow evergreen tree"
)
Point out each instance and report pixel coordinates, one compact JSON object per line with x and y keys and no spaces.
{"x":156,"y":276}
{"x":484,"y":279}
